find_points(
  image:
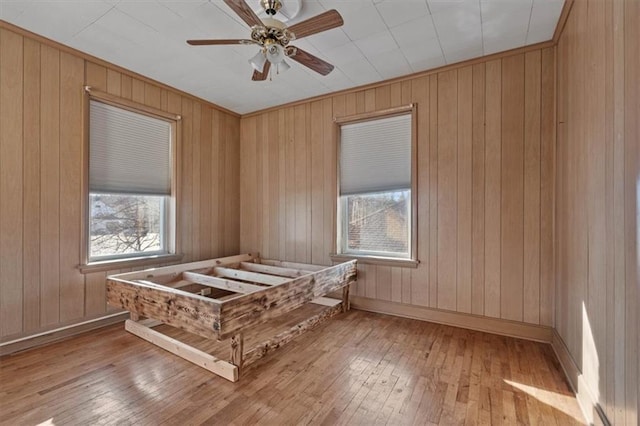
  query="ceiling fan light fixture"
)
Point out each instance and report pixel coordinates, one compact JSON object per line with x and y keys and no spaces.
{"x":275,"y":53}
{"x":258,"y":61}
{"x":283,"y":66}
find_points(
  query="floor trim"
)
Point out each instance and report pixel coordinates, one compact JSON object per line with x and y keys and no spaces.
{"x":49,"y":336}
{"x":590,"y":407}
{"x":503,"y":327}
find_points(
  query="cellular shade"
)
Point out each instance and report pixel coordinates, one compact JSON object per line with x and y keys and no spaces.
{"x":375,"y":155}
{"x":128,"y":152}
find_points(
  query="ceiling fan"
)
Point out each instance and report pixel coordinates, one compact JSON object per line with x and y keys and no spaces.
{"x":273,"y":37}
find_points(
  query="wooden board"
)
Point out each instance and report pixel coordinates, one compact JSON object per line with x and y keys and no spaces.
{"x":222,"y":298}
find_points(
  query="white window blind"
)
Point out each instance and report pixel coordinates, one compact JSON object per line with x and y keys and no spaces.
{"x":129,"y":153}
{"x":375,"y":156}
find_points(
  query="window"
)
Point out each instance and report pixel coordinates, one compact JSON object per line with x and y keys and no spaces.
{"x":376,"y":194}
{"x":130,"y":205}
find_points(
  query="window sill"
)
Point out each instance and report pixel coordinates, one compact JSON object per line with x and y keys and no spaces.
{"x":111,"y":265}
{"x":384,"y":261}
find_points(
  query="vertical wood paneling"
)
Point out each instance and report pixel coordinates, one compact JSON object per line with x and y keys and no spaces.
{"x":186,"y":193}
{"x":71,"y":140}
{"x":41,"y":110}
{"x":11,"y":181}
{"x":49,"y":185}
{"x":433,"y":191}
{"x":215,"y":170}
{"x":597,"y":203}
{"x":317,"y":184}
{"x":447,"y":188}
{"x":299,"y":199}
{"x":205,"y":184}
{"x":464,"y":206}
{"x":31,"y":186}
{"x":330,"y":179}
{"x":492,"y":191}
{"x":512,"y":194}
{"x":196,"y":151}
{"x":420,"y":276}
{"x":478,"y":191}
{"x":547,"y":185}
{"x":531,"y":255}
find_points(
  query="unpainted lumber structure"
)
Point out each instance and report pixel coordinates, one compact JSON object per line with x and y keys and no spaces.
{"x":221,"y":298}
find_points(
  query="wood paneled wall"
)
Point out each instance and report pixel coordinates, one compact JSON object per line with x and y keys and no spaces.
{"x":597,"y":212}
{"x":41,"y":165}
{"x":486,"y":142}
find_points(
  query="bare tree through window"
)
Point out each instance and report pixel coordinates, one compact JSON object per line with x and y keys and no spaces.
{"x":125,"y":224}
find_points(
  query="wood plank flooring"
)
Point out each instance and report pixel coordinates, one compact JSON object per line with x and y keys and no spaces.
{"x":358,"y":368}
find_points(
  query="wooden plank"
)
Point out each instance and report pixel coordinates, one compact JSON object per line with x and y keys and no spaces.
{"x":247,"y":171}
{"x":261,"y":350}
{"x":478,"y":195}
{"x":383,"y":282}
{"x":330,"y":194}
{"x":493,"y":181}
{"x":465,"y":175}
{"x":531,"y":237}
{"x":205,"y":183}
{"x":232,"y":186}
{"x":447,"y":189}
{"x":326,"y":301}
{"x":249,"y":276}
{"x":547,"y":186}
{"x":512,"y":197}
{"x":420,"y":94}
{"x":301,"y":239}
{"x":189,"y":353}
{"x":190,"y":312}
{"x":196,"y":154}
{"x":49,"y":185}
{"x":273,"y":270}
{"x":152,"y":95}
{"x":237,"y":345}
{"x":217,"y":183}
{"x":11,"y":181}
{"x":258,"y":307}
{"x":72,"y":292}
{"x":316,"y":153}
{"x":137,"y":90}
{"x":177,"y":269}
{"x":219,"y":283}
{"x":292,"y":265}
{"x":114,"y":81}
{"x":186,"y":181}
{"x":273,"y":155}
{"x":31,"y":186}
{"x":433,"y":192}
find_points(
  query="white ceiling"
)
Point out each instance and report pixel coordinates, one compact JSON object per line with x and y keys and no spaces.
{"x":380,"y":39}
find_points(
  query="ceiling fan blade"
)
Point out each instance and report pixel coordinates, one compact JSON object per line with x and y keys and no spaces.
{"x":311,"y":61}
{"x":244,"y":12}
{"x":261,"y":76}
{"x":323,"y":22}
{"x":219,"y":41}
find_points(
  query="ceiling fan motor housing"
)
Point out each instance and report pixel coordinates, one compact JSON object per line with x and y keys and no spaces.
{"x":271,"y":7}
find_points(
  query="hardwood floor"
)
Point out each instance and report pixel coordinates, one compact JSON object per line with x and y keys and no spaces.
{"x":359,"y":368}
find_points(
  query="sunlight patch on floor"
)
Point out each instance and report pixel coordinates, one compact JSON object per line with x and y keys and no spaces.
{"x":555,"y":400}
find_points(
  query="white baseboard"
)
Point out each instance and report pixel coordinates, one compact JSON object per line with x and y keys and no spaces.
{"x":503,"y":327}
{"x":60,"y":332}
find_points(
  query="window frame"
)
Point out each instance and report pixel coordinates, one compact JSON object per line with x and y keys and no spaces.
{"x":411,"y":261}
{"x":171,"y":203}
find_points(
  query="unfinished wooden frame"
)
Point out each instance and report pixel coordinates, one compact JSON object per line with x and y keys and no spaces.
{"x":221,"y":298}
